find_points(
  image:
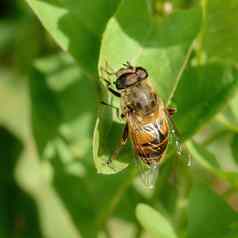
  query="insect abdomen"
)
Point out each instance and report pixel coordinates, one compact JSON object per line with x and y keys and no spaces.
{"x":152,"y":152}
{"x":150,"y":142}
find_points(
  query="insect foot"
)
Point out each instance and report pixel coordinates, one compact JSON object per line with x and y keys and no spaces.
{"x":109,"y":162}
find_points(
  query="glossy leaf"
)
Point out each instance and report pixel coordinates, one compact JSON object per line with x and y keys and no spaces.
{"x":91,"y":199}
{"x":220,"y":34}
{"x":154,"y":222}
{"x":76,"y":26}
{"x":57,"y":120}
{"x":202,"y":92}
{"x":142,"y":40}
{"x":66,"y":118}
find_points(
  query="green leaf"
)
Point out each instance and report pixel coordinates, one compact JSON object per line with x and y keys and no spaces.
{"x":202,"y":92}
{"x":234,"y":147}
{"x":159,"y":46}
{"x":234,"y":108}
{"x":220,"y":34}
{"x":205,"y":158}
{"x":61,"y":116}
{"x":18,"y":214}
{"x":36,"y":178}
{"x":204,"y":203}
{"x":63,"y":120}
{"x":6,"y":35}
{"x":104,"y":146}
{"x":10,"y":147}
{"x":141,"y":39}
{"x":80,"y":195}
{"x":45,"y":112}
{"x":76,"y":26}
{"x":14,"y":115}
{"x":154,"y":223}
{"x":208,"y":161}
{"x":229,"y":116}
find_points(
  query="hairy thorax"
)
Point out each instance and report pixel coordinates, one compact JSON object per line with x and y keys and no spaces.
{"x":140,"y":99}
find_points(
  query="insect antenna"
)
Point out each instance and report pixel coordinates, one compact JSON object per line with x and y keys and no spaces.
{"x":127,"y":64}
{"x":114,"y":107}
{"x":107,"y":69}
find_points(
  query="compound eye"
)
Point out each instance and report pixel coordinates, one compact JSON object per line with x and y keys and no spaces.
{"x":121,"y":82}
{"x":126,"y":80}
{"x":141,"y":73}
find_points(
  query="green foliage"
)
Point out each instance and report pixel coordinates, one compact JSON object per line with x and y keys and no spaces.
{"x":83,"y":41}
{"x":220,"y":35}
{"x":142,"y":40}
{"x":208,"y":160}
{"x":154,"y":222}
{"x":55,"y":136}
{"x":16,"y":217}
{"x":199,"y":95}
{"x":202,"y":203}
{"x":59,"y":80}
{"x":234,"y":147}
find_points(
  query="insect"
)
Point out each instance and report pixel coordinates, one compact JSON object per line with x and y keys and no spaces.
{"x":147,"y":119}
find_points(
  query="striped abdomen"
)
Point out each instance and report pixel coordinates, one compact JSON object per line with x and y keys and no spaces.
{"x":150,"y":140}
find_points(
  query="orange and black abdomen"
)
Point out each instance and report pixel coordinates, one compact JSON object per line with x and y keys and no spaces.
{"x":150,"y":140}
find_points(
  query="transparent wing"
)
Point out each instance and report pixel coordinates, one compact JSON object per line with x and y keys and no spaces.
{"x":147,"y":173}
{"x":175,"y":139}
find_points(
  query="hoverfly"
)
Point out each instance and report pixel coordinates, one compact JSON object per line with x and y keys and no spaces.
{"x":148,"y":123}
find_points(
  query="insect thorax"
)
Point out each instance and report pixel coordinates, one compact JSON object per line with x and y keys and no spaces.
{"x":139,"y":98}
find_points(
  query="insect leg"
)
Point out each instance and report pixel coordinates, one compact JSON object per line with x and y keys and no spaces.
{"x":128,"y":64}
{"x":107,"y":69}
{"x":171,"y":111}
{"x":122,"y":142}
{"x":107,"y":78}
{"x":114,"y":107}
{"x":114,"y":92}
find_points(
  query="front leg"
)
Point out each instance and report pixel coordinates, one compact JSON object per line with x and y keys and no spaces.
{"x":114,"y":107}
{"x":114,"y":92}
{"x":108,"y":83}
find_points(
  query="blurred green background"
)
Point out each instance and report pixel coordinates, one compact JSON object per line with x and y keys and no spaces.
{"x":51,"y":151}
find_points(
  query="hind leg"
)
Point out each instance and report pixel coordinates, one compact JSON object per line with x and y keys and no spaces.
{"x":171,"y":111}
{"x":122,"y":142}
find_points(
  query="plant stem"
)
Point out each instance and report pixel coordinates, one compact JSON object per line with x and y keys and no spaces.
{"x":199,"y":49}
{"x":179,"y":75}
